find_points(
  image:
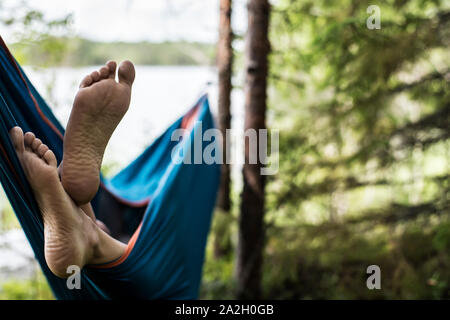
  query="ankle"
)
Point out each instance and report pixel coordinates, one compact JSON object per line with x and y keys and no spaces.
{"x":93,"y":244}
{"x":106,"y":248}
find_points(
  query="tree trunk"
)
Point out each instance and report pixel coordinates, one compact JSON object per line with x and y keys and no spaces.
{"x":222,"y":246}
{"x":224,"y":63}
{"x":251,"y":219}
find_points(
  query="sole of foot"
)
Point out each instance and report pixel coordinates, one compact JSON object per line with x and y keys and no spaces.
{"x":99,"y":106}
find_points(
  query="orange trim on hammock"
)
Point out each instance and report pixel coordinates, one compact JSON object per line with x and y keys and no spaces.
{"x":190,"y":117}
{"x":124,"y":256}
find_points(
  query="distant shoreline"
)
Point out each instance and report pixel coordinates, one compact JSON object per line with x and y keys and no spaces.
{"x":79,"y":52}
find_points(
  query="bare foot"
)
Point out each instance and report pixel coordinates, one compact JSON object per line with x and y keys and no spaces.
{"x":98,"y":108}
{"x":71,"y":237}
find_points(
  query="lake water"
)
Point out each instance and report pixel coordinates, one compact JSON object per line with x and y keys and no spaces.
{"x":161,"y":94}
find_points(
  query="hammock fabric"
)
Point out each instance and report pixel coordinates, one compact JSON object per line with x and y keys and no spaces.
{"x":161,"y":206}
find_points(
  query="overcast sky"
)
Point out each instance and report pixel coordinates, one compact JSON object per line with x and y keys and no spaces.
{"x":134,"y":20}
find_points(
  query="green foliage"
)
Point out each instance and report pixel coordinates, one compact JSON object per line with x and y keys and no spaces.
{"x":33,"y":31}
{"x":441,"y":240}
{"x":359,"y":176}
{"x":330,"y":262}
{"x":366,"y":106}
{"x":32,"y":289}
{"x":8,"y":219}
{"x":217,"y":281}
{"x":364,"y":151}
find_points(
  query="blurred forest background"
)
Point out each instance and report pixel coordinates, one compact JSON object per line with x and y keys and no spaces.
{"x":364,"y":147}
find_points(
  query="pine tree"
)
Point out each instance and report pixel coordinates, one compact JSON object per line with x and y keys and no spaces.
{"x":251,"y":219}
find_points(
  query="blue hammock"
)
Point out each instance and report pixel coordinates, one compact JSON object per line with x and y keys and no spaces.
{"x":162,"y":207}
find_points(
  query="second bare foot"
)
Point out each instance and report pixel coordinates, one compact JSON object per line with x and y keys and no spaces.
{"x":99,"y":106}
